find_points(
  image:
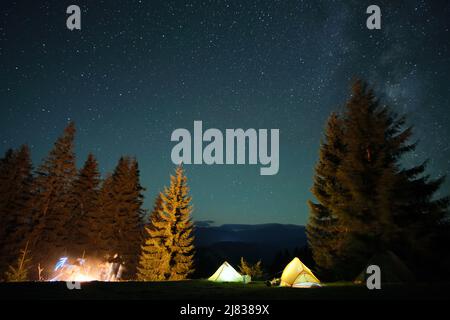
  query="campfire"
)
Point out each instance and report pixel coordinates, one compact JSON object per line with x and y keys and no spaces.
{"x":82,"y":270}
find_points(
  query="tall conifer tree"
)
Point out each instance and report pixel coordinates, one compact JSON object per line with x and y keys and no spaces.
{"x":377,"y":205}
{"x":170,"y":235}
{"x":154,"y":259}
{"x":120,"y":229}
{"x":104,"y":222}
{"x":323,"y":228}
{"x":85,"y":210}
{"x":15,"y":192}
{"x":52,"y":194}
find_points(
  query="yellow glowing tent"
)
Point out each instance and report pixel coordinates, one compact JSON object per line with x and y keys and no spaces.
{"x":226,"y":273}
{"x":297,"y":275}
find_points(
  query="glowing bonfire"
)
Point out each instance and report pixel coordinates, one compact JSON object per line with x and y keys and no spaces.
{"x":80,"y":270}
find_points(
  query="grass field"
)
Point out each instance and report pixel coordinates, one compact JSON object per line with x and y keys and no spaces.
{"x":205,"y":290}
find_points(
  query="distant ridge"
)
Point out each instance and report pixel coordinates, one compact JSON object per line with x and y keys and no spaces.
{"x":229,"y":242}
{"x":275,"y":234}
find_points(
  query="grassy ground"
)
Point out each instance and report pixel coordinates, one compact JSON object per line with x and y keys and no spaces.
{"x":205,"y":290}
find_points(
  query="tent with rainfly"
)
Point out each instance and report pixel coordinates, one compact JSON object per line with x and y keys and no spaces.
{"x":226,"y":273}
{"x":297,"y":275}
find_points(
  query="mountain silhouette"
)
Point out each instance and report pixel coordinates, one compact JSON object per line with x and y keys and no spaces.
{"x":230,"y":242}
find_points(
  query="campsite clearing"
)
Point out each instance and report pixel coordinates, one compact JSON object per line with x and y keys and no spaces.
{"x":208,"y":290}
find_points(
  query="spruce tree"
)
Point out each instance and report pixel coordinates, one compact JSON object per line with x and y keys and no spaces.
{"x":132,"y":217}
{"x":52,"y":196}
{"x":103,"y":224}
{"x":120,"y":229}
{"x":178,"y":210}
{"x":7,"y":164}
{"x":323,"y":228}
{"x":15,"y":216}
{"x":170,"y":235}
{"x":154,"y":259}
{"x":376,"y":205}
{"x":85,"y":209}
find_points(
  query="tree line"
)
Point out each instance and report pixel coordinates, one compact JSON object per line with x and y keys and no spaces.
{"x":57,"y":210}
{"x":367,"y":201}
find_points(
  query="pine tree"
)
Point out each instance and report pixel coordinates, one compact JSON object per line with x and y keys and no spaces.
{"x":85,"y":210}
{"x":20,"y":271}
{"x":371,"y":202}
{"x":7,"y":164}
{"x":323,"y":228}
{"x":170,"y":235}
{"x":15,"y":216}
{"x":51,"y":199}
{"x":121,"y":201}
{"x":103,"y":225}
{"x":155,"y":258}
{"x":132,"y":220}
{"x":178,"y":210}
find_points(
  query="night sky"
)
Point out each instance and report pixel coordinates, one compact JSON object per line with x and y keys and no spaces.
{"x":137,"y":70}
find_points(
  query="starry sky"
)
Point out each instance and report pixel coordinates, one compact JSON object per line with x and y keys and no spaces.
{"x":137,"y":70}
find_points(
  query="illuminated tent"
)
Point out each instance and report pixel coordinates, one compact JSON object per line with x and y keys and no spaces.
{"x":297,"y":275}
{"x":226,"y":273}
{"x":393,"y":269}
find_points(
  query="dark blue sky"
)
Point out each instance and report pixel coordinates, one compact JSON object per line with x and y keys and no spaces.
{"x":140,"y":69}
